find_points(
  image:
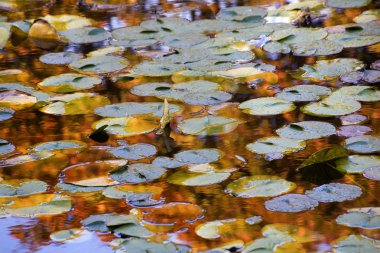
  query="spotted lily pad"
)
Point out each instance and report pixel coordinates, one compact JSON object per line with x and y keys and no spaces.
{"x":134,"y":152}
{"x":366,"y":218}
{"x":59,"y":145}
{"x":303,"y":93}
{"x":155,"y":69}
{"x":363,"y":144}
{"x":332,"y":106}
{"x":100,"y":64}
{"x":60,"y":58}
{"x":306,"y":130}
{"x":198,"y":156}
{"x":135,"y":108}
{"x":353,"y":119}
{"x":13,"y":188}
{"x":65,"y":22}
{"x":167,"y":162}
{"x":357,"y":163}
{"x":68,"y":83}
{"x":190,"y":178}
{"x":372,"y":173}
{"x":128,"y":126}
{"x":259,"y":186}
{"x":208,"y":125}
{"x":352,"y":131}
{"x":266,"y":106}
{"x":319,"y":47}
{"x":104,"y":222}
{"x":74,"y":104}
{"x":5,"y":147}
{"x":291,"y":203}
{"x":35,"y":205}
{"x":269,"y":145}
{"x":359,"y":93}
{"x":355,"y":244}
{"x":137,"y":173}
{"x":334,"y":192}
{"x":86,"y":35}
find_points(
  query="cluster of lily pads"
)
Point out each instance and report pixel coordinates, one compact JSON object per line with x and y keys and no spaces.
{"x":200,"y":63}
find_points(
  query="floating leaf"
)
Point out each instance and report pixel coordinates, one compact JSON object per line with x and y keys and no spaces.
{"x":198,"y":156}
{"x":334,"y":192}
{"x":16,"y":100}
{"x":190,"y":178}
{"x":137,"y":173}
{"x":64,"y":83}
{"x":269,"y":145}
{"x":66,"y":235}
{"x":352,"y":131}
{"x":138,"y":245}
{"x":41,"y":204}
{"x":65,"y":22}
{"x":355,"y":244}
{"x":208,"y":125}
{"x":135,"y":195}
{"x":6,"y":113}
{"x":60,"y":58}
{"x":59,"y":145}
{"x":103,"y":222}
{"x":13,"y":188}
{"x":155,"y":69}
{"x":347,"y":3}
{"x":372,"y":173}
{"x":319,"y":47}
{"x":368,"y":16}
{"x":297,"y":233}
{"x":100,"y":64}
{"x":166,"y":162}
{"x":5,"y":147}
{"x":298,"y":35}
{"x":366,"y":218}
{"x":291,"y":203}
{"x":353,"y":119}
{"x":266,"y":106}
{"x":357,"y":163}
{"x":306,"y":130}
{"x":363,"y":144}
{"x":134,"y":152}
{"x":86,"y":35}
{"x":351,"y":40}
{"x":303,"y":93}
{"x":359,"y":93}
{"x":332,"y":106}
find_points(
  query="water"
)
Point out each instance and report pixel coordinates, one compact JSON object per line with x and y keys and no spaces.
{"x":29,"y":127}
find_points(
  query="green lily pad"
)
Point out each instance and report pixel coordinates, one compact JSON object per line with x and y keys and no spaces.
{"x":275,"y":144}
{"x":156,"y":69}
{"x":134,"y":152}
{"x":68,"y":82}
{"x":291,"y":203}
{"x":359,"y":93}
{"x":165,"y":24}
{"x":266,"y":106}
{"x":366,"y":218}
{"x":241,"y":13}
{"x":201,"y":98}
{"x":100,"y":64}
{"x":65,"y":22}
{"x":74,"y":104}
{"x":347,"y":3}
{"x":86,"y":35}
{"x":355,"y":244}
{"x":259,"y":186}
{"x":137,"y":173}
{"x":71,"y":188}
{"x":17,"y":100}
{"x":357,"y":163}
{"x":6,"y":113}
{"x":4,"y":36}
{"x":319,"y":47}
{"x":135,"y":33}
{"x":108,"y":50}
{"x":66,"y":235}
{"x":353,"y":119}
{"x":151,"y":194}
{"x":334,"y":105}
{"x":330,"y":69}
{"x":368,"y":16}
{"x":190,"y":178}
{"x":334,"y":192}
{"x":59,"y":145}
{"x":167,"y":162}
{"x":277,"y":47}
{"x":297,"y":233}
{"x":13,"y":188}
{"x":139,"y":245}
{"x":319,"y":167}
{"x":372,"y":173}
{"x":349,"y":40}
{"x":306,"y":130}
{"x":371,"y":76}
{"x":133,"y":230}
{"x":135,"y":108}
{"x":6,"y":147}
{"x":35,"y":205}
{"x":127,"y":126}
{"x":208,"y":125}
{"x":103,"y":222}
{"x":21,"y":159}
{"x":60,"y":58}
{"x":363,"y":144}
{"x":298,"y":35}
{"x":184,"y":41}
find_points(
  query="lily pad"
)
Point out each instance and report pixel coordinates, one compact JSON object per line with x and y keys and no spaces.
{"x":357,"y":163}
{"x":371,"y":76}
{"x":277,"y":47}
{"x":266,"y":106}
{"x":372,"y":173}
{"x":353,"y":119}
{"x":267,"y":244}
{"x":352,"y":131}
{"x":59,"y":145}
{"x":66,"y":235}
{"x":208,"y":125}
{"x":65,"y":22}
{"x":355,"y":244}
{"x":127,"y":126}
{"x":359,"y":93}
{"x":74,"y":104}
{"x":201,"y":98}
{"x":366,"y":218}
{"x":363,"y":144}
{"x":156,"y":69}
{"x":26,"y":158}
{"x":167,"y":162}
{"x":190,"y":178}
{"x":298,"y":35}
{"x":60,"y":58}
{"x":86,"y":35}
{"x":347,"y":3}
{"x":269,"y":145}
{"x":316,"y":48}
{"x":241,"y":13}
{"x":139,"y":245}
{"x":306,"y":130}
{"x":13,"y":188}
{"x":68,"y":82}
{"x":6,"y":113}
{"x":137,"y":173}
{"x":332,"y":106}
{"x":303,"y":93}
{"x":16,"y":100}
{"x":100,"y":64}
{"x":130,"y":192}
{"x":368,"y":16}
{"x":134,"y":152}
{"x":135,"y":108}
{"x":334,"y":192}
{"x":104,"y":222}
{"x":35,"y":205}
{"x":259,"y":186}
{"x":350,"y":40}
{"x":6,"y":147}
{"x":291,"y":203}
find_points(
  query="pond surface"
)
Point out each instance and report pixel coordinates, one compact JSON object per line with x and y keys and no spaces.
{"x":200,"y":200}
